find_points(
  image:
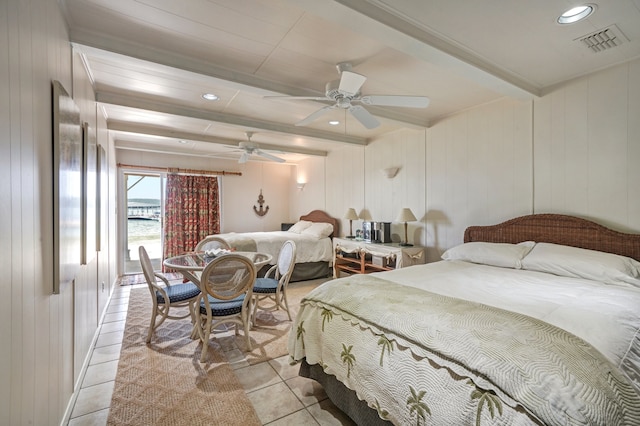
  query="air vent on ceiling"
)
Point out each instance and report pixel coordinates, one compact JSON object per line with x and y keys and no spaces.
{"x":604,"y":39}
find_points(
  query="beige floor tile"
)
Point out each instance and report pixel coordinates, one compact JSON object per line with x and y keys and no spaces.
{"x":236,"y":359}
{"x":93,"y":398}
{"x":110,"y":327}
{"x":116,"y":316}
{"x":274,"y":402}
{"x":105,"y":339}
{"x":100,"y":373}
{"x":328,"y":414}
{"x":105,"y":353}
{"x":257,"y":376}
{"x":117,"y":307}
{"x":282,"y":367}
{"x":98,"y":418}
{"x":299,"y":418}
{"x":308,"y":391}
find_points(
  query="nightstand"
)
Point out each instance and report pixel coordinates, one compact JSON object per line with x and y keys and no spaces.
{"x":359,"y":257}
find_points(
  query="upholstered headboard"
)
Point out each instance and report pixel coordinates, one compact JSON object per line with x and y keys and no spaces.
{"x":558,"y":229}
{"x":320,"y":216}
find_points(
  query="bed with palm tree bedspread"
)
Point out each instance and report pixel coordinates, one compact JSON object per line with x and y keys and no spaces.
{"x":534,"y":321}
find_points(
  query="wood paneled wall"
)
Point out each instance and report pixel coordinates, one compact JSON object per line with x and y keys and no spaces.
{"x":587,"y":148}
{"x":36,"y":327}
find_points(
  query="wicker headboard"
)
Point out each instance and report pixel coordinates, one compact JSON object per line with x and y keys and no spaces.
{"x":558,"y":229}
{"x":320,"y":216}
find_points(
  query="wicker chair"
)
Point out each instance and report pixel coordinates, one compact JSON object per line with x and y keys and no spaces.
{"x":273,"y":286}
{"x":168,"y":296}
{"x":212,"y":242}
{"x":227,"y":285}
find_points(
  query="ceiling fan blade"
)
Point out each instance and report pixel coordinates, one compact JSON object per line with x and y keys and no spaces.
{"x":364,"y":116}
{"x":314,"y":116}
{"x":244,"y":157}
{"x":269,"y":156}
{"x":350,"y":82}
{"x":399,"y":101}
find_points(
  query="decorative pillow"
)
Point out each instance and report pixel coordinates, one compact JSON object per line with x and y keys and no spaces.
{"x":319,"y":230}
{"x":300,"y":226}
{"x":582,"y":263}
{"x":504,"y":255}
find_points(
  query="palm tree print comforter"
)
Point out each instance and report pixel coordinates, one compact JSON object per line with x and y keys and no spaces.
{"x":420,"y":358}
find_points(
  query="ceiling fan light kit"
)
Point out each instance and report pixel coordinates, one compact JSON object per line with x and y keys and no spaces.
{"x":345,"y":94}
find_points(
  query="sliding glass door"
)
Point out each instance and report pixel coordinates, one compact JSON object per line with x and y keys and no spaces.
{"x":145,"y":212}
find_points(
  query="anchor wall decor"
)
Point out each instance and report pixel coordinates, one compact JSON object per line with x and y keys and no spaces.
{"x":261,"y":211}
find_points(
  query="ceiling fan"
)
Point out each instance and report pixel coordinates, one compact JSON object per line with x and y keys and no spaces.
{"x":345,"y":94}
{"x":250,"y":148}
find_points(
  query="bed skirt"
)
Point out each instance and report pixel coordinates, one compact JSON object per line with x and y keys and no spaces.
{"x":305,"y":271}
{"x":342,"y":397}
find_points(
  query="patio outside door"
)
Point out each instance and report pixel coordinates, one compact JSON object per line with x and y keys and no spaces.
{"x":145,"y":212}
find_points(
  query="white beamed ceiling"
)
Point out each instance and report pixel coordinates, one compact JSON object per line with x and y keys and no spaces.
{"x":151,"y":60}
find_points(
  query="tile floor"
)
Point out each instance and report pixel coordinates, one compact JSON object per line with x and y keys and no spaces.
{"x":300,"y":401}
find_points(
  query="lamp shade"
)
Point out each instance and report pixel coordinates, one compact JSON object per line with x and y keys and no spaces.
{"x":351,"y":215}
{"x":406,"y":215}
{"x":364,"y":215}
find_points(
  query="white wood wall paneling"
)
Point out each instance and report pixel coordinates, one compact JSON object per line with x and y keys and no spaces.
{"x":607,"y":144}
{"x":345,"y":184}
{"x":404,"y":149}
{"x":586,"y":143}
{"x":86,"y":285}
{"x":36,"y":375}
{"x":314,"y":194}
{"x":478,"y":170}
{"x":633,"y":159}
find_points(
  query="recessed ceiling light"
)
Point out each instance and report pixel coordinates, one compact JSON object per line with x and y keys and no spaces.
{"x":576,"y":14}
{"x":183,"y":142}
{"x":210,"y":96}
{"x":334,"y":122}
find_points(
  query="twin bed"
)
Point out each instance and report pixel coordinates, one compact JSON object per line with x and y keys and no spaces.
{"x":312,"y":236}
{"x":535,"y":321}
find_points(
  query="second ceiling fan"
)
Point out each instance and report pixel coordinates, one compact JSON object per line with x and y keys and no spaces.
{"x":250,"y":148}
{"x":345,"y":94}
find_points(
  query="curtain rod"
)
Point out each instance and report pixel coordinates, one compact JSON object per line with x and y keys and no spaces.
{"x":185,"y":171}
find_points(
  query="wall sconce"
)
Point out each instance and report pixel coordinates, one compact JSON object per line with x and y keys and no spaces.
{"x":390,"y":172}
{"x":300,"y":185}
{"x":406,"y":215}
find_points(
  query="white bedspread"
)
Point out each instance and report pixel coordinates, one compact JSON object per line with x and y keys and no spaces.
{"x":308,"y":248}
{"x":417,"y":357}
{"x":606,"y":316}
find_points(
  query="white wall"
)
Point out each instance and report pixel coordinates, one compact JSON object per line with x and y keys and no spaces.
{"x":587,"y":148}
{"x":36,"y":327}
{"x":311,"y":171}
{"x":479,"y":171}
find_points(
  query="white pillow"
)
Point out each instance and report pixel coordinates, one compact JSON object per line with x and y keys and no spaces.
{"x":319,"y":230}
{"x":582,"y":263}
{"x":504,"y":255}
{"x":300,"y":226}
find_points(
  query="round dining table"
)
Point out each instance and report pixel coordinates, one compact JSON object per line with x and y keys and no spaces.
{"x":191,"y":265}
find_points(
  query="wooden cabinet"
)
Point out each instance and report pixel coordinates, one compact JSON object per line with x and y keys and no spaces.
{"x":358,"y":257}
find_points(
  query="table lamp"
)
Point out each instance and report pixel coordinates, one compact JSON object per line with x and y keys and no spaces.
{"x":406,"y":215}
{"x":351,"y":216}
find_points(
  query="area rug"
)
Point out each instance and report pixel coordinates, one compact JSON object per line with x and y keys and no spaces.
{"x":164,"y":383}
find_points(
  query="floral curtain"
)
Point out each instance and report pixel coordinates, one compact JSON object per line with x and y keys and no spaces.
{"x":192,"y":211}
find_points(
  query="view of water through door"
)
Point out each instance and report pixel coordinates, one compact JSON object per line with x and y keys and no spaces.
{"x":144,"y":219}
